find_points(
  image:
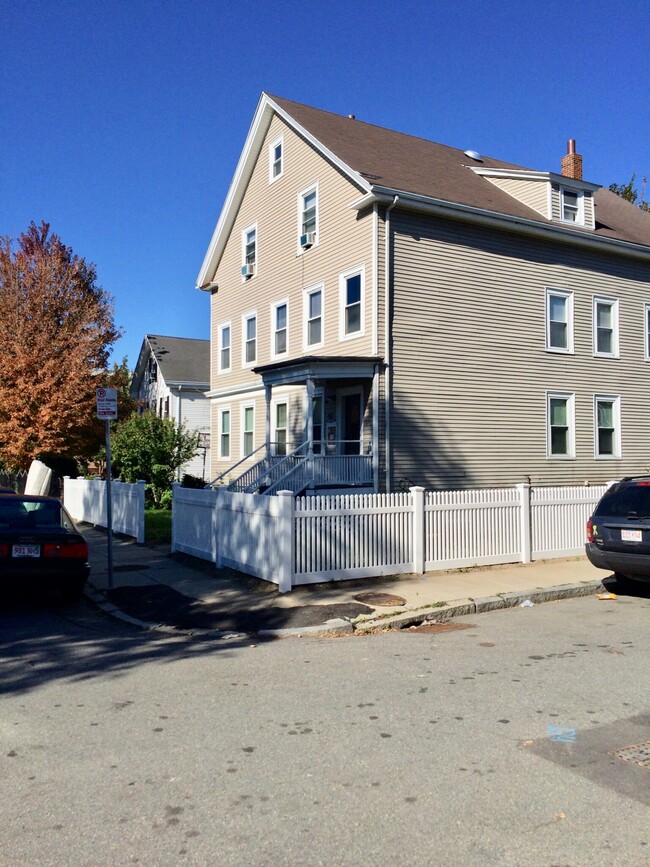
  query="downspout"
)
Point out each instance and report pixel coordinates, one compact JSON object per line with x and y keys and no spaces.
{"x":387,"y":342}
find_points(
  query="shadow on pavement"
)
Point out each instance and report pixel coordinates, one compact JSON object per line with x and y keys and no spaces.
{"x":162,"y":604}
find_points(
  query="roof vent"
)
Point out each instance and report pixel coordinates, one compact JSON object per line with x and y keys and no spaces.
{"x":474,"y":155}
{"x":352,"y":116}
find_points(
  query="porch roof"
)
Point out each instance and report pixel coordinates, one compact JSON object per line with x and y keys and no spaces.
{"x":296,"y":370}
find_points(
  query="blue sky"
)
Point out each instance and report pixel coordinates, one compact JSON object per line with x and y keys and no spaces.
{"x":122,"y":122}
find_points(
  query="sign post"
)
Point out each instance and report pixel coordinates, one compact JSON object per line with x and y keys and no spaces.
{"x":107,"y":410}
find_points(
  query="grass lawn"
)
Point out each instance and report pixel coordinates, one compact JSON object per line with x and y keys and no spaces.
{"x":158,"y":526}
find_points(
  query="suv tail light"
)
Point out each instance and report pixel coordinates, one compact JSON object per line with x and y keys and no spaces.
{"x":78,"y":550}
{"x":590,"y":532}
{"x":4,"y":550}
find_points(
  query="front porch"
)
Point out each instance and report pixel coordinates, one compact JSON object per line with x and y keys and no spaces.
{"x":338,"y":438}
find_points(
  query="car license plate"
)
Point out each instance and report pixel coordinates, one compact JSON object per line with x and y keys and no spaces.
{"x":26,"y":551}
{"x":631,"y":535}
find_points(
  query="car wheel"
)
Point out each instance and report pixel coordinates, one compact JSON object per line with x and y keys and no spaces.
{"x":624,"y":583}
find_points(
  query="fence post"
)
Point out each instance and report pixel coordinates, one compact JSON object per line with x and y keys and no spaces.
{"x":216,"y":507}
{"x":524,"y":521}
{"x":285,"y":539}
{"x":66,"y":479}
{"x":175,"y":487}
{"x":140,"y":511}
{"x":417,"y":495}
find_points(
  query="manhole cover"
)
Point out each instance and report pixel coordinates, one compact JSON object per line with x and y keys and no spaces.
{"x":638,"y":754}
{"x":133,"y":567}
{"x":377,"y":599}
{"x":447,"y":626}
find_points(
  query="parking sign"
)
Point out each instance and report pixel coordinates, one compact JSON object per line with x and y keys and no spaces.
{"x":106,"y":403}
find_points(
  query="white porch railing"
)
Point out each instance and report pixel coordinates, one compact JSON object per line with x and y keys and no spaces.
{"x":305,"y":540}
{"x":85,"y":499}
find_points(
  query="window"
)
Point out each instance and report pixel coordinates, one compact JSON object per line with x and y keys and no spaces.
{"x":313,"y":317}
{"x":308,"y":217}
{"x":280,"y":436}
{"x":607,"y":424}
{"x":560,"y":425}
{"x":571,"y":206}
{"x":646,"y":315}
{"x":280,"y":315}
{"x":248,"y":430}
{"x":559,"y":320}
{"x":224,"y":348}
{"x":224,"y":433}
{"x":276,"y":165}
{"x":606,"y":327}
{"x":351,"y":283}
{"x":249,"y":251}
{"x":250,"y":338}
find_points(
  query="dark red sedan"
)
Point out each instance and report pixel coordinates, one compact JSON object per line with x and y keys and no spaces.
{"x":40,"y":546}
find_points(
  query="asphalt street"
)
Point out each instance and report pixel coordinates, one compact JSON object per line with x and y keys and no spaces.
{"x":514,"y":737}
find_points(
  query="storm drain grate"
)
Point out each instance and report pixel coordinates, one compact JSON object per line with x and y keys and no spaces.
{"x":132,"y":567}
{"x":638,"y":754}
{"x":445,"y":626}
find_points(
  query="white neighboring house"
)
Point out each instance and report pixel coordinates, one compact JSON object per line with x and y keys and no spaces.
{"x":171,"y":378}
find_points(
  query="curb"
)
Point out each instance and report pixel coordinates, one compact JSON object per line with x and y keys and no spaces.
{"x":461,"y":607}
{"x":337,"y":627}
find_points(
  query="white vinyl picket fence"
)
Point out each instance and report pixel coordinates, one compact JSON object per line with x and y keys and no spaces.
{"x":85,"y":500}
{"x":305,"y":540}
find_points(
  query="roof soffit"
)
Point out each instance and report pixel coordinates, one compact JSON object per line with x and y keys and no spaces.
{"x":250,"y":154}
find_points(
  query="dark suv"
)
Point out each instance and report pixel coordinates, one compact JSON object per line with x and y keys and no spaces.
{"x":618,"y":532}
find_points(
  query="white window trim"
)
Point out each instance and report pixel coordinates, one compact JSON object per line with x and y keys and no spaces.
{"x":315,"y":186}
{"x":223,"y":326}
{"x":646,"y":329}
{"x":613,"y":303}
{"x":246,"y":231}
{"x":276,"y":141}
{"x":274,"y":307}
{"x":571,"y":421}
{"x":310,"y":290}
{"x":274,"y":422}
{"x":580,"y":217}
{"x":242,"y":448}
{"x":564,"y":293}
{"x":343,"y":278}
{"x":616,"y":400}
{"x":251,"y":314}
{"x":227,"y":457}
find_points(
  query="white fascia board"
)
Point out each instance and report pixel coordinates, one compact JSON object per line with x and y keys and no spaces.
{"x":455,"y":211}
{"x":249,"y":155}
{"x":217,"y":393}
{"x":258,"y":126}
{"x":140,"y":367}
{"x":523,"y":175}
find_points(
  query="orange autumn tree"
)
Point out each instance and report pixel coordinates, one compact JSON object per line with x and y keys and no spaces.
{"x":56,"y":327}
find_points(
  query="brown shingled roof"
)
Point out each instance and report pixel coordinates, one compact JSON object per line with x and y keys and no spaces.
{"x":386,"y":158}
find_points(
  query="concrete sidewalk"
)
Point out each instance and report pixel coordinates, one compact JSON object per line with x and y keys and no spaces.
{"x":155,"y":588}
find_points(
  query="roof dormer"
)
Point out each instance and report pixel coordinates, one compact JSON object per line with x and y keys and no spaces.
{"x":563,"y":198}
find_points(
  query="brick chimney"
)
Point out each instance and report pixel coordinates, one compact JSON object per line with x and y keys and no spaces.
{"x":572,"y":162}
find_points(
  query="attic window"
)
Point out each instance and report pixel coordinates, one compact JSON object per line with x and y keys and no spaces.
{"x":276,"y":159}
{"x":571,"y":202}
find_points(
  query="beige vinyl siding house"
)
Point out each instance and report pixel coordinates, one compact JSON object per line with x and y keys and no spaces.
{"x":497,"y":320}
{"x":285,"y":276}
{"x":471,"y":370}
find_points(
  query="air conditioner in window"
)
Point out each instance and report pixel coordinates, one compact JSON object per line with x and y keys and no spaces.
{"x":247,"y":270}
{"x":307,"y":240}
